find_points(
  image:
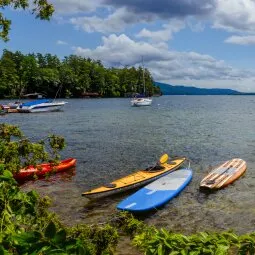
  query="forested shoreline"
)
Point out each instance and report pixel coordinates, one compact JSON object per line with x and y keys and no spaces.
{"x":73,"y":76}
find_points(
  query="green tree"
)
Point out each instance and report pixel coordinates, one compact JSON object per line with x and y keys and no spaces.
{"x":97,"y":75}
{"x":41,"y":8}
{"x":49,"y":81}
{"x":67,"y":79}
{"x":111,"y":84}
{"x":71,"y":76}
{"x":8,"y":74}
{"x":30,"y":74}
{"x":52,"y":61}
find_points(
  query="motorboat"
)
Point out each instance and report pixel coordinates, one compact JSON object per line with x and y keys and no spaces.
{"x":41,"y":105}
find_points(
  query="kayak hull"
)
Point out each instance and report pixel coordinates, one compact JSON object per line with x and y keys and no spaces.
{"x":134,"y":180}
{"x":43,"y":169}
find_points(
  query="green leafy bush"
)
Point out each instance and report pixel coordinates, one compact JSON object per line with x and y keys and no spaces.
{"x":17,"y":151}
{"x":164,"y":242}
{"x":26,"y":224}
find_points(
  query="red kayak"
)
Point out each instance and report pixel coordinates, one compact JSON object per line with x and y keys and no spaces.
{"x":43,"y":169}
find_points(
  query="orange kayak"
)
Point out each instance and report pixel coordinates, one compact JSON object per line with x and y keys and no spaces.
{"x":43,"y":169}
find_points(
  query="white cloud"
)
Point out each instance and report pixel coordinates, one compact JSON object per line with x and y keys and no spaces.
{"x":115,"y":22}
{"x":59,"y":42}
{"x":229,"y":15}
{"x":242,"y":40}
{"x":196,"y":25}
{"x":165,"y":34}
{"x":164,"y":64}
{"x":235,"y":16}
{"x":115,"y":16}
{"x":75,"y":6}
{"x":121,"y":50}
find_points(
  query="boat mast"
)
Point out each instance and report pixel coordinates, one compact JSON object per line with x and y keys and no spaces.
{"x":143,"y":78}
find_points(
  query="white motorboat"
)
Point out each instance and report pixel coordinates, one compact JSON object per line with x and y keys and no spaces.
{"x":41,"y":105}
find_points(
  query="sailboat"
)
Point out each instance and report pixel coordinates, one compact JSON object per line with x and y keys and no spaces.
{"x":139,"y":100}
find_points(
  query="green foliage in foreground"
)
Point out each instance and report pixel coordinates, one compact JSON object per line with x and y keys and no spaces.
{"x":26,"y":224}
{"x":160,"y":242}
{"x":27,"y":227}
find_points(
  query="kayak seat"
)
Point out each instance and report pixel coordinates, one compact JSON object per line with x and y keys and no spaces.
{"x":155,"y":168}
{"x":158,"y":167}
{"x":110,"y":185}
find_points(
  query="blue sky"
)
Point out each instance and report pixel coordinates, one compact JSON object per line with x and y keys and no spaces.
{"x":209,"y":43}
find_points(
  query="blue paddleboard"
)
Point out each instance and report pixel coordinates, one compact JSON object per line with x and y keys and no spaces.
{"x":158,"y":192}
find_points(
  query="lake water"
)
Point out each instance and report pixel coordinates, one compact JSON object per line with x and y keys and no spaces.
{"x":111,"y":139}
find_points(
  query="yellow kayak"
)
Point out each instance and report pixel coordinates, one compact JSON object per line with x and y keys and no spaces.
{"x":138,"y":178}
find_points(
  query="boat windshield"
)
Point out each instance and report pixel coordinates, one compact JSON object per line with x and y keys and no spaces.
{"x":35,"y":102}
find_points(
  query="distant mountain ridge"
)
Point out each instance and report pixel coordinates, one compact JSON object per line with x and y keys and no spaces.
{"x":168,"y":89}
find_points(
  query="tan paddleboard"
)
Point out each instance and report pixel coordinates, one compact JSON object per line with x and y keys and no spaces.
{"x":224,"y":174}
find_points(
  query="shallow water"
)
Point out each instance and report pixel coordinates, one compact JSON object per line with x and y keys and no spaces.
{"x":111,"y":139}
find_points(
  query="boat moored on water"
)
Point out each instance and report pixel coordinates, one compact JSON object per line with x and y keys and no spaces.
{"x":3,"y":109}
{"x":137,"y":179}
{"x":141,"y":100}
{"x":41,"y":105}
{"x":144,"y":101}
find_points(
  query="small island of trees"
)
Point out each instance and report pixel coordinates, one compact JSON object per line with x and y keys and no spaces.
{"x":76,"y":76}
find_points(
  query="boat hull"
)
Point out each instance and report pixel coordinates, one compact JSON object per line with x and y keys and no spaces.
{"x":44,"y":107}
{"x":224,"y":174}
{"x":44,"y":169}
{"x":3,"y":109}
{"x":141,"y":102}
{"x":134,"y":180}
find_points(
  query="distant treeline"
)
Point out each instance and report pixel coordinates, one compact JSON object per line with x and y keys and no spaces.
{"x":73,"y":76}
{"x":168,"y":89}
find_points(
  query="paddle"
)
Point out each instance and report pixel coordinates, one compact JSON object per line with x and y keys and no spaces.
{"x":163,"y":159}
